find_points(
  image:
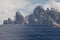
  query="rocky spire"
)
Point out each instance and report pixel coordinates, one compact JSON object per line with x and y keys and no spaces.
{"x":18,"y":18}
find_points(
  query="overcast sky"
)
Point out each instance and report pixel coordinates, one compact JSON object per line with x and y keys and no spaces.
{"x":9,"y":7}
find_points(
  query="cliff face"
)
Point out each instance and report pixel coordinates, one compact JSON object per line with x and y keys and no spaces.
{"x":39,"y":17}
{"x":18,"y":18}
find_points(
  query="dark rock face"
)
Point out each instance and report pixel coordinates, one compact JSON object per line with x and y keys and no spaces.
{"x":5,"y":22}
{"x":9,"y":21}
{"x":18,"y":18}
{"x":54,"y":15}
{"x":39,"y":17}
{"x":44,"y":17}
{"x":31,"y":20}
{"x":38,"y":11}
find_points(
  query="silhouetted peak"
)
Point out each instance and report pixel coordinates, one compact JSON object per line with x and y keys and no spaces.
{"x":9,"y":19}
{"x":48,"y":9}
{"x":40,"y":8}
{"x":18,"y":13}
{"x":19,"y":19}
{"x":38,"y":11}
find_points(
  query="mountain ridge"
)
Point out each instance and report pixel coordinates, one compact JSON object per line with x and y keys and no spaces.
{"x":39,"y":17}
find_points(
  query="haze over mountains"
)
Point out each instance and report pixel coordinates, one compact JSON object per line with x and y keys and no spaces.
{"x":38,"y":17}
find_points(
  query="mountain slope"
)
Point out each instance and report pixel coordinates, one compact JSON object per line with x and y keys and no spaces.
{"x":39,"y":17}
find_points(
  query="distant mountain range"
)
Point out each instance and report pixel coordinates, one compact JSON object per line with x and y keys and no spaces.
{"x":38,"y":17}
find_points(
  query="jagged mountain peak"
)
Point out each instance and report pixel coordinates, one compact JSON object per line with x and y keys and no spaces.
{"x":38,"y":11}
{"x":39,"y":16}
{"x":39,"y":8}
{"x":18,"y":13}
